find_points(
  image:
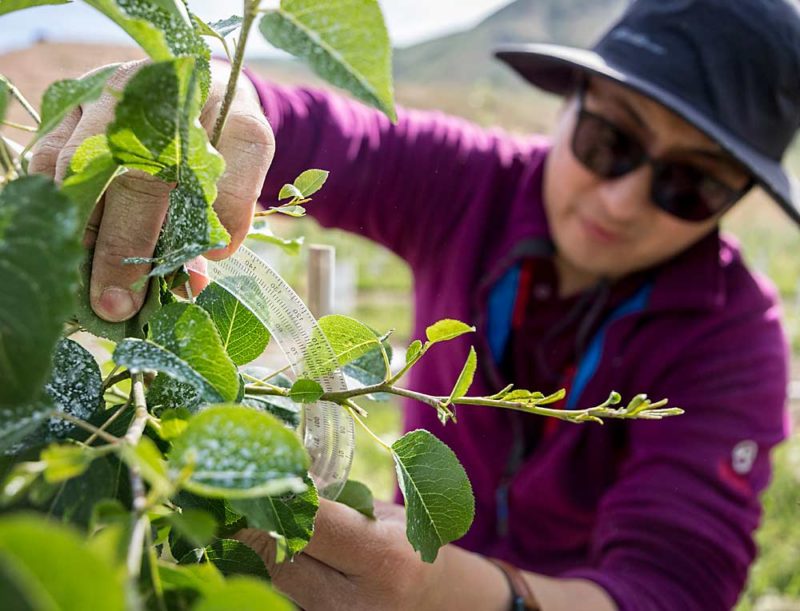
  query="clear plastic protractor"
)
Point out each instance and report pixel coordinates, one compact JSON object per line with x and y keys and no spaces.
{"x":327,"y":430}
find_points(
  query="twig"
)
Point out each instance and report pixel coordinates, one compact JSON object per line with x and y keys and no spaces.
{"x":349,"y":406}
{"x":25,"y":104}
{"x":108,"y":422}
{"x":25,"y":128}
{"x":250,"y":12}
{"x":114,"y":378}
{"x":86,"y":426}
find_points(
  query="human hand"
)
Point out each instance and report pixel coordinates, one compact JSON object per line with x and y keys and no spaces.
{"x":355,"y":563}
{"x":128,"y":219}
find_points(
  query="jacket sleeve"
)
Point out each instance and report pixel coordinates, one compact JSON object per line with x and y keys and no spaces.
{"x":403,"y":185}
{"x":676,"y":530}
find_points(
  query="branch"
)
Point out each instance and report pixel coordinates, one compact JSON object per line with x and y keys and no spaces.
{"x":639,"y":407}
{"x":142,"y":522}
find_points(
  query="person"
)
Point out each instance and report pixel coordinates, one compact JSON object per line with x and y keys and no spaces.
{"x":590,"y":260}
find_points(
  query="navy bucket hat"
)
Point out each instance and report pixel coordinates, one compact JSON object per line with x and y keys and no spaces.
{"x":731,"y":68}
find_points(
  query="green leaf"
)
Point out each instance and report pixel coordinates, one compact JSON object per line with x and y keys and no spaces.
{"x":310,"y":181}
{"x":245,"y":594}
{"x":348,"y":337}
{"x":521,"y":396}
{"x":289,"y":517}
{"x":147,"y":458}
{"x":243,"y":335}
{"x":447,"y":329}
{"x":192,"y":227}
{"x":413,"y":351}
{"x":63,"y":462}
{"x":305,"y":185}
{"x":18,"y":480}
{"x":143,"y":355}
{"x":77,"y":498}
{"x":188,"y":332}
{"x":152,"y":117}
{"x":62,"y":96}
{"x":69,"y":576}
{"x":90,"y":171}
{"x":202,"y":578}
{"x":440,"y":506}
{"x":293,"y":211}
{"x":8,"y":6}
{"x":465,"y":377}
{"x":290,"y":192}
{"x":40,"y":250}
{"x":218,"y":29}
{"x":167,"y":393}
{"x":369,"y":369}
{"x":238,"y":452}
{"x":173,"y":422}
{"x":74,"y":387}
{"x":306,"y":391}
{"x":181,"y":36}
{"x":223,"y":27}
{"x":175,"y":9}
{"x":283,"y":408}
{"x":359,"y":497}
{"x":196,"y":525}
{"x":262,"y":232}
{"x":345,"y":42}
{"x":231,"y":557}
{"x":146,"y":35}
{"x":157,"y":130}
{"x":19,"y":422}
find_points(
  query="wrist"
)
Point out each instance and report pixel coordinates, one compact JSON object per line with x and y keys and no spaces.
{"x":521,"y":595}
{"x":465,"y":580}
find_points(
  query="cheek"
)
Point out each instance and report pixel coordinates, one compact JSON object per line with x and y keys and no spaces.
{"x":669,"y":237}
{"x":565,"y":180}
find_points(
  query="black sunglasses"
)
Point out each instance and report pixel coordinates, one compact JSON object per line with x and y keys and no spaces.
{"x":679,"y":188}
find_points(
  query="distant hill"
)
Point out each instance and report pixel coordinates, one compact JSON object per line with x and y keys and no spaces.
{"x":465,"y":57}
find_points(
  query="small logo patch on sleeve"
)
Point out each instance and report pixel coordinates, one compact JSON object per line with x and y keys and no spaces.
{"x":743,"y":456}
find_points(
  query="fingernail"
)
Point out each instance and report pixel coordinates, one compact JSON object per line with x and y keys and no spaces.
{"x":116,"y":304}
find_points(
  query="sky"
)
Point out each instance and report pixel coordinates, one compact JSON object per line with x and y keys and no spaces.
{"x":409,"y":21}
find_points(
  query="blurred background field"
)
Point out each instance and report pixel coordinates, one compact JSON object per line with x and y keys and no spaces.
{"x":455,"y":74}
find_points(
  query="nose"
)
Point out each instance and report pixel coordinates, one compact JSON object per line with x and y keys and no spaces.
{"x":627,"y":197}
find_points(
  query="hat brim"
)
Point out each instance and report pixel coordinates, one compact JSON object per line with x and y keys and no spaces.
{"x":555,"y":68}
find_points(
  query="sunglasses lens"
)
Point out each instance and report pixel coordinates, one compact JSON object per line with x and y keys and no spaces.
{"x":687,"y":193}
{"x":603,"y":148}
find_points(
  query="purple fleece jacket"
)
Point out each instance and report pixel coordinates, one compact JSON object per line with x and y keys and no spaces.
{"x":659,"y":513}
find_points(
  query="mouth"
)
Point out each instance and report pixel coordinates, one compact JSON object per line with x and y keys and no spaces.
{"x":599,"y":232}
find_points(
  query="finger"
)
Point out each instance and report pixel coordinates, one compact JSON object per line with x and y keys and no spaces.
{"x":310,"y":583}
{"x":198,"y":278}
{"x":93,"y":224}
{"x":385,"y":510}
{"x":248,"y":145}
{"x":95,"y":117}
{"x":345,"y":539}
{"x":135,"y":207}
{"x":45,"y":152}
